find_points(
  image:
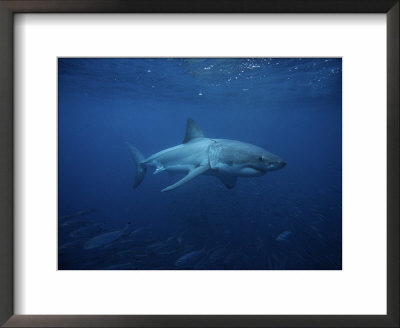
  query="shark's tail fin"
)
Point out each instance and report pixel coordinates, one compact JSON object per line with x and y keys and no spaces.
{"x":138,"y":158}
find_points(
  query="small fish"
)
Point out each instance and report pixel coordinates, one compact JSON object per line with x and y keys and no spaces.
{"x":171,"y":238}
{"x":202,"y":264}
{"x":189,"y":259}
{"x":87,"y":231}
{"x":144,"y":235}
{"x":217,"y":254}
{"x":283,"y":236}
{"x":155,"y":247}
{"x":72,"y":243}
{"x":77,"y":222}
{"x":121,"y":244}
{"x":139,"y":231}
{"x":105,"y":238}
{"x":79,"y":213}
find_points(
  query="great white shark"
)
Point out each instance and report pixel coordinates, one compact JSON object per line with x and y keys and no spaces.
{"x":223,"y":158}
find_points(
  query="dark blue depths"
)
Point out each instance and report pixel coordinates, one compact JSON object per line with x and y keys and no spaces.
{"x":289,"y":219}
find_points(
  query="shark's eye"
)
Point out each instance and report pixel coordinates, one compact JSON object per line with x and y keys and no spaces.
{"x":260,"y":158}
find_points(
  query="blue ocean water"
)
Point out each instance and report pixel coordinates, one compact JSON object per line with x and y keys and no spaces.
{"x":289,"y":219}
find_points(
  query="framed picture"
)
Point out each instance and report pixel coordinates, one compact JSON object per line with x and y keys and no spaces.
{"x":199,"y":170}
{"x":215,"y":214}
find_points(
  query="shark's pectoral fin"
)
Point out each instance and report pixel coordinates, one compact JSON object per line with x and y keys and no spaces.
{"x":228,"y":181}
{"x":192,"y":174}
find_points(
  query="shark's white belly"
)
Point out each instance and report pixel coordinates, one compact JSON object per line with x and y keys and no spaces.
{"x":181,"y":158}
{"x":237,"y":170}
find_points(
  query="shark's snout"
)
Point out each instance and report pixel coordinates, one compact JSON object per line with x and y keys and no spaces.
{"x":276,"y":165}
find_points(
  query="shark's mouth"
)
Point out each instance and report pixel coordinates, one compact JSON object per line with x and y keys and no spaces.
{"x":255,"y":169}
{"x":276,"y":166}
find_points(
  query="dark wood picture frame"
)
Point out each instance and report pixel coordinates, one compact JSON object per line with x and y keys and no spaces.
{"x":10,"y":7}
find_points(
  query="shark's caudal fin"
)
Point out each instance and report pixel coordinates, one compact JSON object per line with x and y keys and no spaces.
{"x":192,"y":131}
{"x":138,"y":158}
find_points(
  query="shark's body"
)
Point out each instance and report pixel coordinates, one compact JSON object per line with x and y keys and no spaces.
{"x":226,"y":159}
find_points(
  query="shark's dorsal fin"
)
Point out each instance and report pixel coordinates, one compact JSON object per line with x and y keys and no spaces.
{"x":192,"y":131}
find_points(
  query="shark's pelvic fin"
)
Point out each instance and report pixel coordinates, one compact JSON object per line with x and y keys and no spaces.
{"x":192,"y":174}
{"x":192,"y":131}
{"x":228,"y":181}
{"x":159,"y":168}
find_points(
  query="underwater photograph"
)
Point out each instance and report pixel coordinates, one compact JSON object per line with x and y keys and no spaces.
{"x":199,"y":164}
